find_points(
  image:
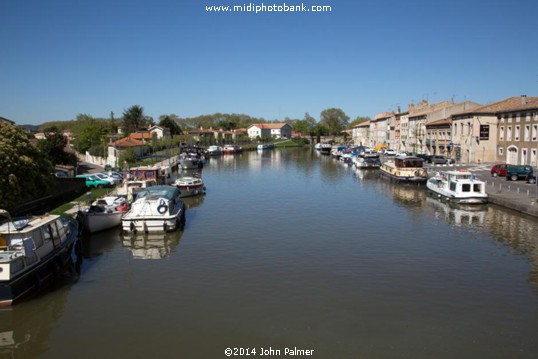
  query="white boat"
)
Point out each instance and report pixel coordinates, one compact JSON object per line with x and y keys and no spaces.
{"x":265,"y":146}
{"x":32,"y":252}
{"x":155,"y":209}
{"x":190,"y":186}
{"x":405,"y":169}
{"x":104,"y":213}
{"x":231,"y":149}
{"x":189,"y":162}
{"x":458,"y":187}
{"x":367,"y":162}
{"x":214,"y":150}
{"x":325,"y":148}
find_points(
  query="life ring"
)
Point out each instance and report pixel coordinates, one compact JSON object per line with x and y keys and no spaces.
{"x":162,"y":207}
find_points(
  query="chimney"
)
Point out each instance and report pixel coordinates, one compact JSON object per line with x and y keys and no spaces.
{"x":523,"y":99}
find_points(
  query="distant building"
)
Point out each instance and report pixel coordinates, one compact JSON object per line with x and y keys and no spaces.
{"x":273,"y":130}
{"x":517,"y":139}
{"x":116,"y":148}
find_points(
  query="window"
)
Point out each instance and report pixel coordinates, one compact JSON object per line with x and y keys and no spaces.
{"x":466,"y":187}
{"x":509,"y":133}
{"x":477,"y":187}
{"x":501,"y":133}
{"x":527,"y":132}
{"x":516,"y":134}
{"x":452,"y":186}
{"x":501,"y":151}
{"x":534,"y":131}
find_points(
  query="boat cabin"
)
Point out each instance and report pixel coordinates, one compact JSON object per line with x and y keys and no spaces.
{"x":408,"y":162}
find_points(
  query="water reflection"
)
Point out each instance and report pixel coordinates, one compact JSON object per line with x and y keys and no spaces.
{"x":458,"y":214}
{"x":151,"y":245}
{"x":25,"y":329}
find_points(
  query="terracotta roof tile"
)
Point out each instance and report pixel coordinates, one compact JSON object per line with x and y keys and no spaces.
{"x":127,"y":142}
{"x":499,"y":106}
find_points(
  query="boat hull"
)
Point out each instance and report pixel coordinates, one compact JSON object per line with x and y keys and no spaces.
{"x":404,"y":179}
{"x":154,"y":224}
{"x":459,"y":200}
{"x":96,"y":222}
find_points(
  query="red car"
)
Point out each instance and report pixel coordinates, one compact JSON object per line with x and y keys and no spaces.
{"x":498,"y":170}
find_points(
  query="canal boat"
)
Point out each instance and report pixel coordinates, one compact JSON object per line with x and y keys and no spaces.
{"x":324,"y":148}
{"x":33,"y":251}
{"x":405,"y":169}
{"x":265,"y":146}
{"x":367,"y":162}
{"x":190,"y":186}
{"x":214,"y":151}
{"x":104,"y":213}
{"x":458,"y":187}
{"x":231,"y":149}
{"x":189,"y":162}
{"x":155,"y":209}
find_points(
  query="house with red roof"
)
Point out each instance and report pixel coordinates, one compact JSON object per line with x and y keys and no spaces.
{"x":273,"y":130}
{"x":116,"y":148}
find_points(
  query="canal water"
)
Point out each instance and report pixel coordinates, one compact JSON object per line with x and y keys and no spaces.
{"x":290,"y":251}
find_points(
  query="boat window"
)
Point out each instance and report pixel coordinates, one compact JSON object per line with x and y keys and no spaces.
{"x":477,"y":187}
{"x":466,"y":187}
{"x":47,"y":235}
{"x":452,"y":186}
{"x":62,"y":231}
{"x":38,"y":238}
{"x":55,"y":234}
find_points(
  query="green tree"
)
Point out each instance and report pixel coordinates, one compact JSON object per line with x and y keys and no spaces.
{"x":54,"y":147}
{"x":133,"y":118}
{"x":25,"y":172}
{"x":358,"y":120}
{"x":335,"y":120}
{"x":169,"y":122}
{"x":89,"y":133}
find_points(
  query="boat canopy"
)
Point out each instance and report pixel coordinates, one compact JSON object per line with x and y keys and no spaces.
{"x":167,"y":192}
{"x":408,"y":161}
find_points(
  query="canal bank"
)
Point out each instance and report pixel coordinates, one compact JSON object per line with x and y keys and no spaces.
{"x":519,"y":202}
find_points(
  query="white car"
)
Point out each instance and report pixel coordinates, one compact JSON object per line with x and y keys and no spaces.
{"x":390,"y":152}
{"x":113,"y":181}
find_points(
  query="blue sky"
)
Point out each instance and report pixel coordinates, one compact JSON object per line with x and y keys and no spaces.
{"x":61,"y":58}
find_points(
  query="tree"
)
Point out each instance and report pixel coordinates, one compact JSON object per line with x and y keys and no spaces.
{"x":89,"y":133}
{"x":170,"y":123}
{"x":133,"y":118}
{"x":358,"y":121}
{"x":54,"y":147}
{"x":335,"y":120}
{"x":26,"y":173}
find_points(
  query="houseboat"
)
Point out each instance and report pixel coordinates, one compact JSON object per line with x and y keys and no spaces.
{"x":457,"y":187}
{"x":33,"y":251}
{"x":405,"y":169}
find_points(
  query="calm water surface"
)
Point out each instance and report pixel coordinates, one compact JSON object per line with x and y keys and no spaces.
{"x":292,"y":250}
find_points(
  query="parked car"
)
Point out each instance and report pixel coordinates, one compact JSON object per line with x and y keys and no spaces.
{"x":531,"y":178}
{"x":439,"y":160}
{"x":114,"y":174}
{"x":113,"y":180}
{"x":389,"y":152}
{"x":514,"y":172}
{"x":498,"y":170}
{"x":92,"y":181}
